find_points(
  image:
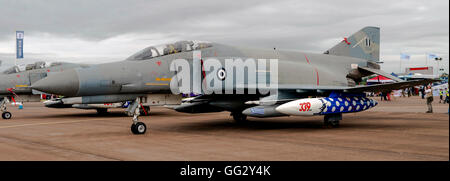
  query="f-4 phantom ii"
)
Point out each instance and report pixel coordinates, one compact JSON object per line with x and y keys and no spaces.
{"x":15,"y":82}
{"x":15,"y":85}
{"x":304,"y":83}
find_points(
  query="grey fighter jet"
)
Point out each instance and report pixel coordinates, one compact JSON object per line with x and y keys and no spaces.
{"x":15,"y":82}
{"x":15,"y":85}
{"x":307,"y":84}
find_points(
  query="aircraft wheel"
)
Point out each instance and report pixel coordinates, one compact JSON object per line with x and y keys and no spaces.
{"x":133,"y":129}
{"x":326,"y":124}
{"x":138,"y":128}
{"x":6,"y":115}
{"x":332,"y":120}
{"x":239,"y":117}
{"x":334,"y":124}
{"x":102,"y":111}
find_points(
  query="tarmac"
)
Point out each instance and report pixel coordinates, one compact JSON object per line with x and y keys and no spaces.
{"x":395,"y":130}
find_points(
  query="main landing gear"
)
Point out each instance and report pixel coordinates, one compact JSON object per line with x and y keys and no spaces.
{"x":239,"y":117}
{"x":133,"y":110}
{"x":332,"y":120}
{"x":5,"y":113}
{"x":102,"y":111}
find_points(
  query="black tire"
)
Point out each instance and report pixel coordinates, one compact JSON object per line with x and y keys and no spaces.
{"x":326,"y":123}
{"x":102,"y":111}
{"x":138,"y":128}
{"x":334,"y":123}
{"x":133,"y":129}
{"x":239,"y":117}
{"x":6,"y":115}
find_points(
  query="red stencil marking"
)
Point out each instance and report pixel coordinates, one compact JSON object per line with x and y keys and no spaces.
{"x":307,"y":59}
{"x":346,"y":41}
{"x":145,"y":112}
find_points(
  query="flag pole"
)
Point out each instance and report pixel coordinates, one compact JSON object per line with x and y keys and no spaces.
{"x":400,"y":63}
{"x":15,"y":60}
{"x":438,"y":68}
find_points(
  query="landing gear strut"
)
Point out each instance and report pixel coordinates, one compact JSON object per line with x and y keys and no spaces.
{"x":239,"y":117}
{"x":144,"y":110}
{"x":5,"y":113}
{"x":133,"y":110}
{"x":332,"y":120}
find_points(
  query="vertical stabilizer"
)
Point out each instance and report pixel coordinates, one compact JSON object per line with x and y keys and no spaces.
{"x":363,"y":44}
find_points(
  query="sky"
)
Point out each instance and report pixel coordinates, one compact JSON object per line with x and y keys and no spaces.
{"x":85,"y":31}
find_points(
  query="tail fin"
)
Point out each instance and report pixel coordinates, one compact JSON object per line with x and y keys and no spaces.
{"x":363,"y":44}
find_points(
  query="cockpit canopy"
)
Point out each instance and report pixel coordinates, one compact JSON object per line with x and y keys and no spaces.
{"x":171,"y":48}
{"x":36,"y":65}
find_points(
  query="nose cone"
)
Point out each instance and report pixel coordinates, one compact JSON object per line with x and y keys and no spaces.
{"x":64,"y":83}
{"x":287,"y":108}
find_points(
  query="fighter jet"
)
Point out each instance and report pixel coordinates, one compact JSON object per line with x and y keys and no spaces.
{"x":15,"y":85}
{"x":304,"y":83}
{"x":15,"y":82}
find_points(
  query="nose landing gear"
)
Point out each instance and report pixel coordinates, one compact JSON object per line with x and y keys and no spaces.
{"x":133,"y":110}
{"x":5,"y":113}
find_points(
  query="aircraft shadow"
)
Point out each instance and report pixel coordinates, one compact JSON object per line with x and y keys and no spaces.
{"x":110,"y":114}
{"x":300,"y":125}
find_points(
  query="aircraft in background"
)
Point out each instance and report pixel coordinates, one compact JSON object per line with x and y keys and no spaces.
{"x":308,"y":84}
{"x":15,"y":82}
{"x":15,"y":86}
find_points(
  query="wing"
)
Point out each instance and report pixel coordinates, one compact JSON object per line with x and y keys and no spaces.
{"x":390,"y":86}
{"x":360,"y":89}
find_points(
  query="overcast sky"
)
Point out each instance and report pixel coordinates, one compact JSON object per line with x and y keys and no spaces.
{"x":101,"y":31}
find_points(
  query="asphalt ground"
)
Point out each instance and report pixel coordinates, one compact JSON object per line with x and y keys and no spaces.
{"x":395,"y":130}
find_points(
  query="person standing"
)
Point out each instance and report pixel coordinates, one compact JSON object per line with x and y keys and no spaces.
{"x":429,"y":96}
{"x":388,"y":94}
{"x":446,"y":96}
{"x":441,"y":96}
{"x":422,"y":91}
